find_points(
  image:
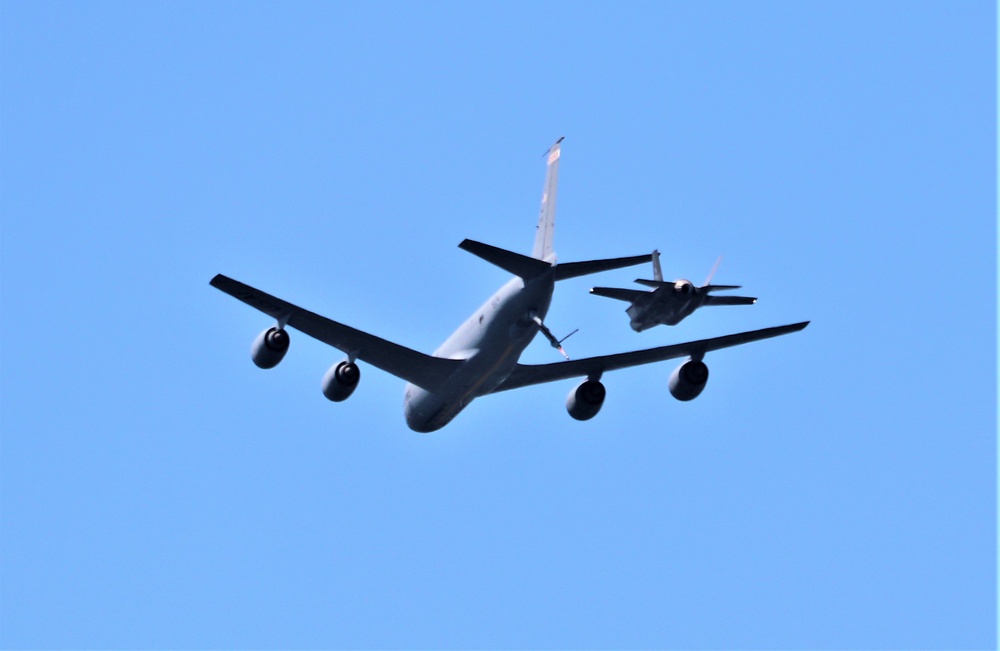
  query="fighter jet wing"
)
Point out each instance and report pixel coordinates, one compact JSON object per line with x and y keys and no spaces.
{"x":425,"y":371}
{"x":526,"y":375}
{"x":630,"y":295}
{"x":729,"y":300}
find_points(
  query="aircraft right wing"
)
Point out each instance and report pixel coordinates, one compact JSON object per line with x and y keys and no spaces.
{"x":423,"y":370}
{"x":527,"y":375}
{"x":729,"y":300}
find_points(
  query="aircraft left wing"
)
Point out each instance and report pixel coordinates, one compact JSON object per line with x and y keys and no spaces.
{"x":630,"y":295}
{"x":423,"y":370}
{"x":527,"y":375}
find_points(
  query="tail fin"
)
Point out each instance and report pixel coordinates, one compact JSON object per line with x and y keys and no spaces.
{"x":657,"y":272}
{"x":711,"y":274}
{"x":546,"y":228}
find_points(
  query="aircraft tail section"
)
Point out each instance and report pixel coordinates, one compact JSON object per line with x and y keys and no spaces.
{"x":546,"y":228}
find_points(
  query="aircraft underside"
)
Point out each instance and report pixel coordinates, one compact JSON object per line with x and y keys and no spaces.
{"x":481,"y":356}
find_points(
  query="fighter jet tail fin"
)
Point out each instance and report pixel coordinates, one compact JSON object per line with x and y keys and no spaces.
{"x":657,"y":271}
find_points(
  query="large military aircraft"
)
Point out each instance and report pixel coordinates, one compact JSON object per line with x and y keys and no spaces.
{"x":670,"y":301}
{"x":480,"y":357}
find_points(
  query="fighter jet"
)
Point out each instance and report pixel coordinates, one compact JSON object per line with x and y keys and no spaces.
{"x":670,"y":302}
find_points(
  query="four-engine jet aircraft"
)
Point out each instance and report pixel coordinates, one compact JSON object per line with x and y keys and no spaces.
{"x":670,"y":301}
{"x":481,"y":356}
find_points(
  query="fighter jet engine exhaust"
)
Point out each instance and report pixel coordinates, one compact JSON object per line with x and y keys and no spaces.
{"x":688,"y":380}
{"x":270,"y":347}
{"x":684,"y":287}
{"x":341,"y":381}
{"x":585,"y":400}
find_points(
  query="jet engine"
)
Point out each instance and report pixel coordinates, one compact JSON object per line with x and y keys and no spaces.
{"x":341,"y":381}
{"x":270,"y":347}
{"x":688,"y":380}
{"x":684,"y":287}
{"x":585,"y":400}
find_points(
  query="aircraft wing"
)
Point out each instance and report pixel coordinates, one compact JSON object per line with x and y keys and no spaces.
{"x":422,"y":370}
{"x":526,"y":375}
{"x":630,"y":295}
{"x":729,"y":300}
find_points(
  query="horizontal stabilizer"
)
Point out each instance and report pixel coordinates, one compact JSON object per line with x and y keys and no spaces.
{"x":575,"y":269}
{"x":654,"y":283}
{"x":719,"y":288}
{"x":630,"y":295}
{"x":517,"y":264}
{"x":729,"y":300}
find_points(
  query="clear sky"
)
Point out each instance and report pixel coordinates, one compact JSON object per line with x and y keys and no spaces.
{"x":832,"y":489}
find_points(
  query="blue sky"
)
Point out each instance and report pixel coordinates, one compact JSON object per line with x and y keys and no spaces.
{"x":835,"y":488}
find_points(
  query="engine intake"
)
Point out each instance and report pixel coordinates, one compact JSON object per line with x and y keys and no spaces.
{"x":688,"y":380}
{"x":585,"y":400}
{"x":341,"y":381}
{"x":270,"y":347}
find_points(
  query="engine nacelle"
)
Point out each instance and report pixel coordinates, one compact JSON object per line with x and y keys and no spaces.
{"x":688,"y":380}
{"x":341,"y":381}
{"x":585,"y":400}
{"x":270,"y":347}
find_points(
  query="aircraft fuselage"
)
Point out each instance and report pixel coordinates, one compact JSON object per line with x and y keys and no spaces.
{"x":489,"y":343}
{"x":664,"y":306}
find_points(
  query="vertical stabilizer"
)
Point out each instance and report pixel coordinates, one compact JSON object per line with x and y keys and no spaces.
{"x":547,"y":216}
{"x":657,"y":272}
